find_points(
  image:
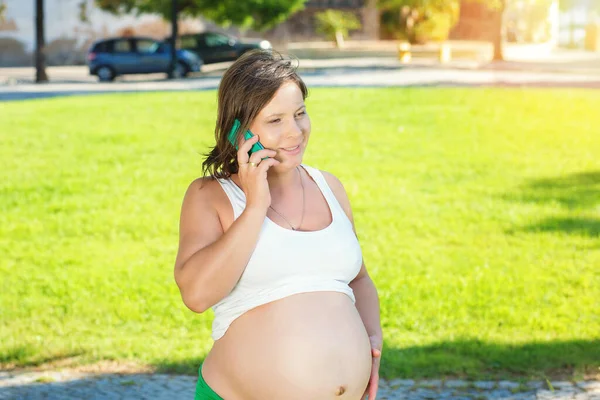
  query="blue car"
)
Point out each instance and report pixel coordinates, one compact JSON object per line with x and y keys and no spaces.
{"x":109,"y":58}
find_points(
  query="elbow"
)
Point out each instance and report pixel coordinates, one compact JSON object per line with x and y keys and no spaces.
{"x":195,"y":304}
{"x":191,"y":299}
{"x":189,"y":294}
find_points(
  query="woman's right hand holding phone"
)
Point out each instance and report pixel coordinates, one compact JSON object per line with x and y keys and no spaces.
{"x":253,"y":174}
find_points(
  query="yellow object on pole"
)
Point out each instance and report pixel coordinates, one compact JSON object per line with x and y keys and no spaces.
{"x":592,"y":37}
{"x":404,"y":54}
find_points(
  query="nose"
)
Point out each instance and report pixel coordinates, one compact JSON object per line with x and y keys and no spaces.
{"x":295,"y":129}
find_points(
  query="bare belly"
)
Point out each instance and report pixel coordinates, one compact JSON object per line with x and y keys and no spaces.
{"x":306,"y":346}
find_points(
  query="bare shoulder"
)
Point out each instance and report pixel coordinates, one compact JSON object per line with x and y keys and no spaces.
{"x":205,"y":198}
{"x":200,"y":222}
{"x":333,"y":181}
{"x":339,"y":191}
{"x":201,"y":190}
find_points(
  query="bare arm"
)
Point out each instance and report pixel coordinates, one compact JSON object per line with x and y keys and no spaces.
{"x":210,"y":262}
{"x":367,"y":299}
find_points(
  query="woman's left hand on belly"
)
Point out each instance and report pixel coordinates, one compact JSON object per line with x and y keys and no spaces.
{"x":374,"y":379}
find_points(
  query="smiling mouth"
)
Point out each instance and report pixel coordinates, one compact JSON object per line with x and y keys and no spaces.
{"x":290,"y":148}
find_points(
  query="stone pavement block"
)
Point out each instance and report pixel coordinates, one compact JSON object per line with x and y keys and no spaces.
{"x":421,"y":393}
{"x":550,"y":395}
{"x":498,"y":394}
{"x":581,"y":396}
{"x":561,"y":384}
{"x":521,"y":396}
{"x":485,"y":385}
{"x":536,"y":384}
{"x":456,"y":383}
{"x":589,"y":385}
{"x":401,"y":382}
{"x":508,"y":385}
{"x":430,"y":383}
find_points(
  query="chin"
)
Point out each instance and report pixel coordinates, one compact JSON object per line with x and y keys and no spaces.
{"x":289,"y":164}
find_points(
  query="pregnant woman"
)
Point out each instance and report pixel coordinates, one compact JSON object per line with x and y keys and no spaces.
{"x":269,"y":244}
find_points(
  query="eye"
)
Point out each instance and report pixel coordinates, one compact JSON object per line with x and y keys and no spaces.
{"x":301,"y":113}
{"x":274,"y":121}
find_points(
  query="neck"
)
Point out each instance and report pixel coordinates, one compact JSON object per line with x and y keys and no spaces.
{"x":282,"y":182}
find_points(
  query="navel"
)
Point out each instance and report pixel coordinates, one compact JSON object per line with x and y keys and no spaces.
{"x":340,"y":391}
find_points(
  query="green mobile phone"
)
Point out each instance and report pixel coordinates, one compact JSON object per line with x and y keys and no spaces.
{"x":232,"y":137}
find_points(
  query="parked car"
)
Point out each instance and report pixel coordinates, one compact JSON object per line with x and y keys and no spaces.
{"x":109,"y":58}
{"x":215,"y":47}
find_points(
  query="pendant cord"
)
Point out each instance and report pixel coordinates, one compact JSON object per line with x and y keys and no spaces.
{"x":303,"y":205}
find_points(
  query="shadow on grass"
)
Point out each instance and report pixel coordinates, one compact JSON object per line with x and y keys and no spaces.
{"x":574,"y":193}
{"x":470,"y":359}
{"x":473,"y":359}
{"x":25,"y":356}
{"x":570,"y":225}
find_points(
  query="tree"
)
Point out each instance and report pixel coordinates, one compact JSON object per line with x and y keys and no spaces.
{"x":420,"y":20}
{"x":336,"y":24}
{"x":40,"y":57}
{"x":2,"y":12}
{"x":256,"y":14}
{"x":83,"y":11}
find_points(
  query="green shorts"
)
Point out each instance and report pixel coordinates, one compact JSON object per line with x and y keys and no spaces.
{"x":203,"y":391}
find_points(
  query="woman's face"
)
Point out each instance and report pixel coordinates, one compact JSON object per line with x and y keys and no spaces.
{"x":284,"y":126}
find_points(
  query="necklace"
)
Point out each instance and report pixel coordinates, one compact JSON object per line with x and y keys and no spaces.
{"x":303,"y":204}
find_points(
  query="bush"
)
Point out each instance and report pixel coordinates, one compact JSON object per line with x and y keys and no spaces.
{"x":335,"y":25}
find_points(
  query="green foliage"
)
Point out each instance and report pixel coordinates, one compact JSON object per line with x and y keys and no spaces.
{"x":477,"y":215}
{"x":332,"y":23}
{"x":568,"y":5}
{"x":83,"y":11}
{"x":256,"y":14}
{"x":2,"y":12}
{"x":493,"y":4}
{"x":419,"y":21}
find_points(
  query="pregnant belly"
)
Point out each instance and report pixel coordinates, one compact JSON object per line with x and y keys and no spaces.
{"x":306,"y":346}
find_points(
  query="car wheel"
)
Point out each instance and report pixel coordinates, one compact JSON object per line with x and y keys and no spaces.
{"x":181,"y":70}
{"x":105,"y":74}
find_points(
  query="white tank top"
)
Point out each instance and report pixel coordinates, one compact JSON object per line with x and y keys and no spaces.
{"x":287,"y":262}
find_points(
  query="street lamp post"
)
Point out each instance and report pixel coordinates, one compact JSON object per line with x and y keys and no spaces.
{"x":40,"y":43}
{"x":173,"y":66}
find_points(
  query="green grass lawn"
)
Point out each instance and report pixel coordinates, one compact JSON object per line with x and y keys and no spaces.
{"x":478,"y":211}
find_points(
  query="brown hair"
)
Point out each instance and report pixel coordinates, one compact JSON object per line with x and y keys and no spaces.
{"x":246,"y":88}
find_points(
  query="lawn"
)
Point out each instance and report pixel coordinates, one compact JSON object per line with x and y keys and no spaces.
{"x":478,"y":211}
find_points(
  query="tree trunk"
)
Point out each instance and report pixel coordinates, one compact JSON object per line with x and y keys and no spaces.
{"x":339,"y":39}
{"x":40,"y":56}
{"x":572,"y":30}
{"x":497,"y":32}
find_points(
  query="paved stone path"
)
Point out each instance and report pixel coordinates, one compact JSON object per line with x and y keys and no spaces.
{"x":70,"y":386}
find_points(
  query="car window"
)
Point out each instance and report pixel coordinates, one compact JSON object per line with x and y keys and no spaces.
{"x":122,"y":46}
{"x":214,"y":39}
{"x":187,"y":42}
{"x":101,"y":47}
{"x":147,"y":46}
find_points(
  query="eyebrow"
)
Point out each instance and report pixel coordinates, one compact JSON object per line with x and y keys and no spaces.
{"x":280,"y":114}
